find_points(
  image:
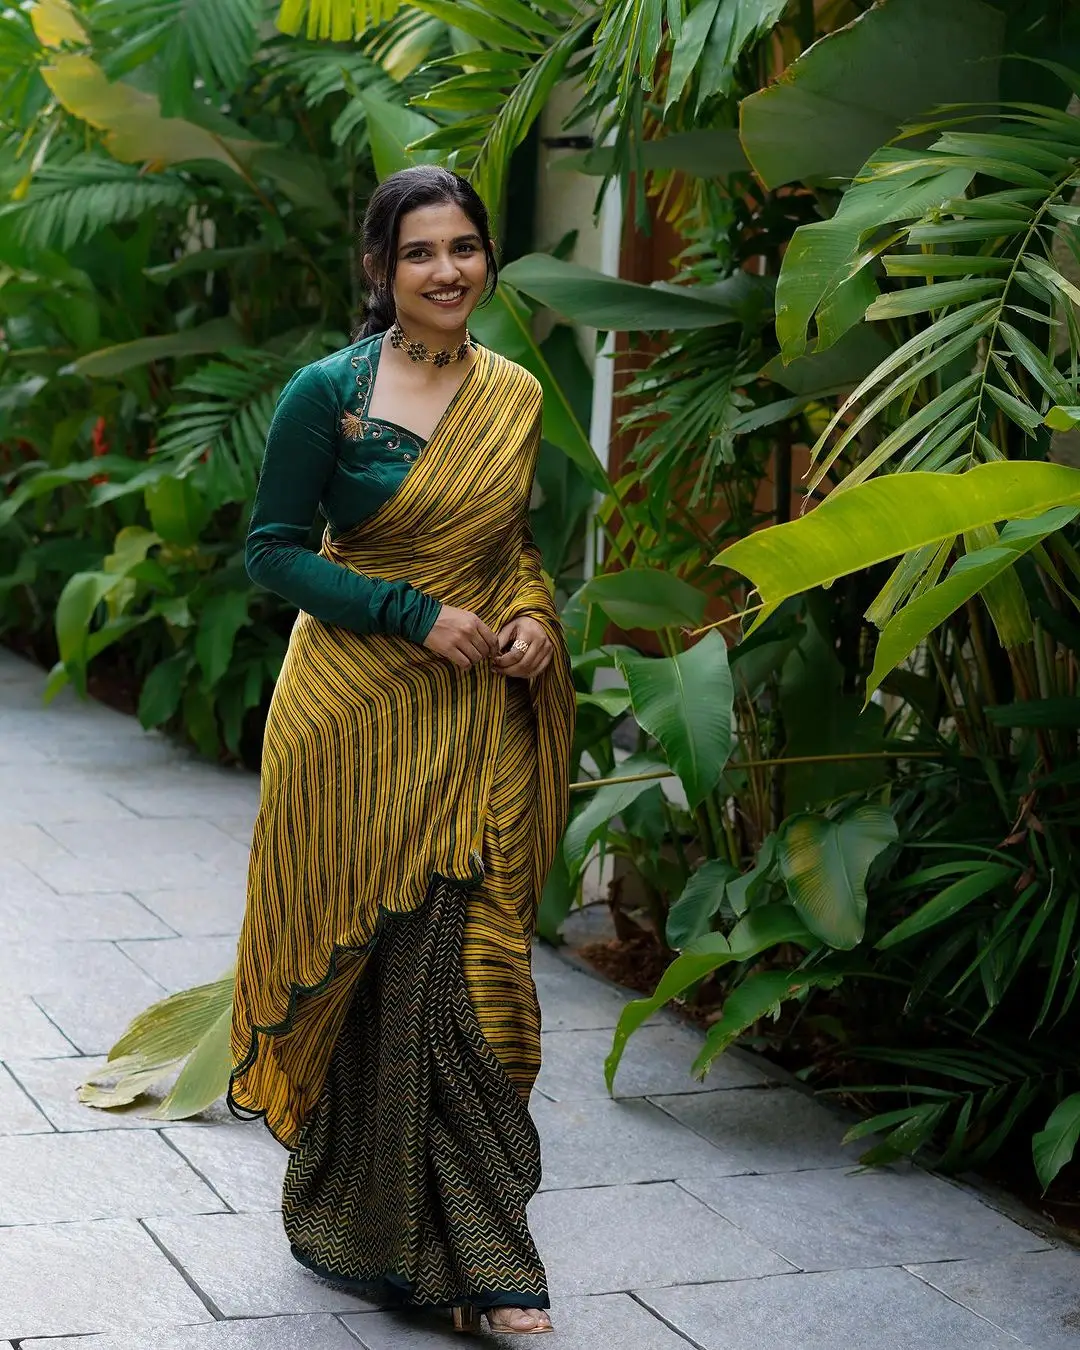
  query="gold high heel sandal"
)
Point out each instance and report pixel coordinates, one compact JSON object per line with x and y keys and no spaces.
{"x":467,"y":1318}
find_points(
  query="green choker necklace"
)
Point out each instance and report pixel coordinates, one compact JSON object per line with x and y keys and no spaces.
{"x":417,"y":351}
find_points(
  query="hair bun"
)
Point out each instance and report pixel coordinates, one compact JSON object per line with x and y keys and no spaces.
{"x":381,"y":313}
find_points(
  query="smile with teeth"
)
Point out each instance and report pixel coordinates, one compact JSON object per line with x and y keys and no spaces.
{"x":448,"y":297}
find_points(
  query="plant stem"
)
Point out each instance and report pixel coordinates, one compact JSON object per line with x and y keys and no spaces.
{"x":767,"y":764}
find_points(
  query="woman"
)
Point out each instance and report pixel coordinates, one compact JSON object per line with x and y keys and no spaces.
{"x":414,"y":787}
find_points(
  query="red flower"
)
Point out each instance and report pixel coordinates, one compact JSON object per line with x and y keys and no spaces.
{"x":100,"y":444}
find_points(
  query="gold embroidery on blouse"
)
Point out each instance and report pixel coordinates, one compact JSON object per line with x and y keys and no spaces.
{"x":352,"y":426}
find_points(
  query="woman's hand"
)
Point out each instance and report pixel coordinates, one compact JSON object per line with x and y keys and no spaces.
{"x":462,"y":637}
{"x":525,"y":649}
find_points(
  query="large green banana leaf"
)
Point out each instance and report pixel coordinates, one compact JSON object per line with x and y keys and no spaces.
{"x":824,"y":864}
{"x":890,"y":516}
{"x":970,"y":575}
{"x":685,"y":702}
{"x":211,"y":337}
{"x":601,"y":301}
{"x":505,"y":326}
{"x":189,"y":1031}
{"x":759,"y":930}
{"x":645,"y":597}
{"x":849,"y":93}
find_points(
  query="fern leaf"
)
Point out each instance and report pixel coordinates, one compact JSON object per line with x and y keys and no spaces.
{"x":221,"y":436}
{"x":67,"y":203}
{"x":213,"y":40}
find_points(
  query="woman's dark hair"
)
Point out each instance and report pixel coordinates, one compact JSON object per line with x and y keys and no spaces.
{"x":402,"y":192}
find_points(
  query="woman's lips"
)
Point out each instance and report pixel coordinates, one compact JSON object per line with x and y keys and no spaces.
{"x":439,"y":298}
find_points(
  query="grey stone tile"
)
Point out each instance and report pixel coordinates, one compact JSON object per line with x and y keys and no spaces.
{"x":316,"y":1332}
{"x":42,"y":967}
{"x":837,"y":1220}
{"x":595,"y":1322}
{"x":27,"y":843}
{"x":200,"y":838}
{"x":210,"y":795}
{"x":602,"y":1143}
{"x":243,"y":1163}
{"x":14,"y":667}
{"x":80,"y":918}
{"x":1036,"y":1296}
{"x":238,"y":825}
{"x":616,"y":1238}
{"x":21,"y":753}
{"x":589,"y":922}
{"x":771,"y":1129}
{"x":94,"y":1014}
{"x":26,"y":1031}
{"x":20,"y":882}
{"x":54,"y":1083}
{"x":210,"y":911}
{"x":72,"y":1278}
{"x":859,"y":1310}
{"x":55,"y":807}
{"x":113,"y":760}
{"x":53,"y":1178}
{"x":243,"y":1262}
{"x":18,"y":1114}
{"x":570,"y":1001}
{"x":657,"y":1060}
{"x":132,"y":871}
{"x":182,"y":963}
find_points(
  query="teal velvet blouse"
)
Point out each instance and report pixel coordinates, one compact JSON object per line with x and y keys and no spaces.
{"x":324,"y":452}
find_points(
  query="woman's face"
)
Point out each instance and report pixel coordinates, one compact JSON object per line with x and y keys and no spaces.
{"x":441,"y":269}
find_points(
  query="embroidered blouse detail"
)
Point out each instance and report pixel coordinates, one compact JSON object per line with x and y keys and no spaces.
{"x":358,"y":426}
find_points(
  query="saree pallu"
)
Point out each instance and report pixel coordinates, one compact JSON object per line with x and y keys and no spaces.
{"x":385,"y":1021}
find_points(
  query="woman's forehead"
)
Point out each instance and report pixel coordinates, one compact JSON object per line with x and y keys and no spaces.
{"x":441,"y":219}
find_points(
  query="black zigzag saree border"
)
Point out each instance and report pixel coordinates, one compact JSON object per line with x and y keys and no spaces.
{"x":413,"y":1174}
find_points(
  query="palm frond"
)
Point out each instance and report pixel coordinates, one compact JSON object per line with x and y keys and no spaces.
{"x":212,"y":41}
{"x":325,"y":71}
{"x":67,"y":203}
{"x":689,"y":408}
{"x":982,"y":268}
{"x":339,"y":20}
{"x":221,"y":436}
{"x":513,"y":93}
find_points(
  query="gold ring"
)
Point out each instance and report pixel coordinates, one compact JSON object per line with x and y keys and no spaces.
{"x":520,"y":645}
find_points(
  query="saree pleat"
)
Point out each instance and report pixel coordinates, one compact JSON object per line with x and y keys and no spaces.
{"x":412,"y":1177}
{"x":411,"y":807}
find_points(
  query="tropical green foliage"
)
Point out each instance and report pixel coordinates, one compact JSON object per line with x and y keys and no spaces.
{"x":856,"y":819}
{"x":184,"y":1041}
{"x":175,"y":243}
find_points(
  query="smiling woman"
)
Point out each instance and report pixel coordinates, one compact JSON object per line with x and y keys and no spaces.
{"x":414,"y":788}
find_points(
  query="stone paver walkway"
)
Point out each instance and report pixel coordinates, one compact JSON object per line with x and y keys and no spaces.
{"x":722,"y":1215}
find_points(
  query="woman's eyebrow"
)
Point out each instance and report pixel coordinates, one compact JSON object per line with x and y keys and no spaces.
{"x":427,"y":243}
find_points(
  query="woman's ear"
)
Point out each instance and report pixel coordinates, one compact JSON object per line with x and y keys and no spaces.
{"x":369,"y":269}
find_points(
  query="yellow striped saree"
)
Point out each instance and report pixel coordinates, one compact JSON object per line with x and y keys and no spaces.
{"x":385,"y":1017}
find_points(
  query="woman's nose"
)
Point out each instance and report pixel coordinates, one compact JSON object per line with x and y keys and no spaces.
{"x":446,"y":267}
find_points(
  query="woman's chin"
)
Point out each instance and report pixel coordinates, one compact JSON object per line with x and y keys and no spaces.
{"x":436,"y":319}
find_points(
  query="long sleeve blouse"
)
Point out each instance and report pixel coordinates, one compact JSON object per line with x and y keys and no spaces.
{"x":323,"y":452}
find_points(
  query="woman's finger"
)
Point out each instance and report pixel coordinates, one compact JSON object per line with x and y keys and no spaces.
{"x":509,"y":659}
{"x":535,"y":659}
{"x":487,"y":638}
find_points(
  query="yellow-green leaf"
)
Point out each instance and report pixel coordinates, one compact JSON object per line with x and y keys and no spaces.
{"x":55,"y":23}
{"x":886,"y":517}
